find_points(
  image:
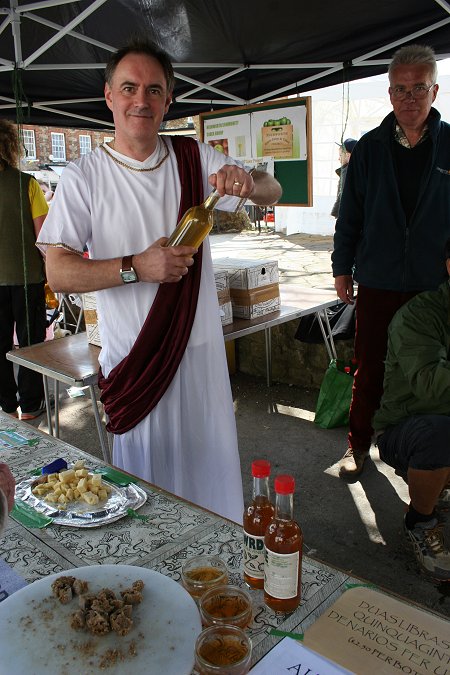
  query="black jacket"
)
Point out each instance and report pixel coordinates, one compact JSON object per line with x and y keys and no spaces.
{"x":371,"y":231}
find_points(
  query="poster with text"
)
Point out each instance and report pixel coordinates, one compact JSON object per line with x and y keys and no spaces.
{"x":280,"y":133}
{"x":230,"y":135}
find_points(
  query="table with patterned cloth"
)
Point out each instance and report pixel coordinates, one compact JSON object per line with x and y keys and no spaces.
{"x":175,"y":530}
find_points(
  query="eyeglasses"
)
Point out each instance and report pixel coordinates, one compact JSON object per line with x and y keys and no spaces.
{"x":417,"y":92}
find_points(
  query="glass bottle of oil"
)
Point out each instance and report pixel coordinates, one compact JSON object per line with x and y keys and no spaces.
{"x":257,"y":517}
{"x":283,"y":543}
{"x":196,"y":223}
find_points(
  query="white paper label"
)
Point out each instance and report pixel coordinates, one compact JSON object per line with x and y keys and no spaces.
{"x":281,"y":574}
{"x":254,"y":555}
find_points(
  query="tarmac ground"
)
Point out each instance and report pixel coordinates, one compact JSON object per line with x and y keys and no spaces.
{"x":355,"y":525}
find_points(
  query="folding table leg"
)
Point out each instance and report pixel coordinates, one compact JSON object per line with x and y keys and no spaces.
{"x":56,"y":384}
{"x":327,"y":335}
{"x":268,"y":338}
{"x":98,"y":422}
{"x":47,"y":405}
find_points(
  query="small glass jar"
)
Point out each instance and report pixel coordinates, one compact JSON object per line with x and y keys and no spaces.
{"x":203,"y":572}
{"x":223,"y":650}
{"x":226,"y":605}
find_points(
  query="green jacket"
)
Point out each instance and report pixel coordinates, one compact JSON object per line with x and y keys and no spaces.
{"x":417,"y":374}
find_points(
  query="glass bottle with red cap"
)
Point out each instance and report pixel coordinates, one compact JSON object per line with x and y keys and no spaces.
{"x":257,"y":516}
{"x":283,"y":551}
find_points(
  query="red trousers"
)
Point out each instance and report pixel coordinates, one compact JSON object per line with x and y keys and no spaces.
{"x":375,"y":309}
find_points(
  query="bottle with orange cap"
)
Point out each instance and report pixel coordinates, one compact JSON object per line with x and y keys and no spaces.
{"x":257,"y":516}
{"x":283,"y":544}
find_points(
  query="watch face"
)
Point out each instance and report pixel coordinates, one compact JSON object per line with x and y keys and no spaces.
{"x":128,"y":276}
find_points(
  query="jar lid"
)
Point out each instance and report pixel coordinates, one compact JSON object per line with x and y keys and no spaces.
{"x":260,"y":468}
{"x":284,"y":485}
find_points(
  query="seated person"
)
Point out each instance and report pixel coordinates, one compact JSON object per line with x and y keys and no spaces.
{"x":412,"y":424}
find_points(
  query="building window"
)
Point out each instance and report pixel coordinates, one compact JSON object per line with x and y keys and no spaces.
{"x":108,"y":139}
{"x":58,"y":147}
{"x":29,"y":142}
{"x":85,"y":145}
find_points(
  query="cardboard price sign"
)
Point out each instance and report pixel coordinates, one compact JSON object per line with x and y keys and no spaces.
{"x":369,"y":632}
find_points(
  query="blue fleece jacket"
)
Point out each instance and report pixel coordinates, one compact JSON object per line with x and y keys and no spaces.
{"x":372,"y":235}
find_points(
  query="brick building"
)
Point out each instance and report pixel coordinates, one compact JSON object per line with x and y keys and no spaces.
{"x":49,"y":149}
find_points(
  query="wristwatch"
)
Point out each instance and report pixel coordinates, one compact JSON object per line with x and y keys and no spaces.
{"x":127,"y":272}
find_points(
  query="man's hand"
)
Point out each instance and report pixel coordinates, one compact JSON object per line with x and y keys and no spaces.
{"x":344,"y":288}
{"x":232,"y":180}
{"x":161,"y":264}
{"x":259,"y":186}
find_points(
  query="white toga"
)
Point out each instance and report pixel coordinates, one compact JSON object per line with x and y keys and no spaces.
{"x":188,"y":443}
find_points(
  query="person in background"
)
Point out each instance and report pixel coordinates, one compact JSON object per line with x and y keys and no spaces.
{"x":393,"y":222}
{"x":22,"y":300}
{"x":412,"y":425}
{"x":7,"y":490}
{"x":345,"y":152}
{"x":48,"y":193}
{"x":164,"y":377}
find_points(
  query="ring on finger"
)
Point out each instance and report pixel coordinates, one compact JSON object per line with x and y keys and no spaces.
{"x":236,"y":182}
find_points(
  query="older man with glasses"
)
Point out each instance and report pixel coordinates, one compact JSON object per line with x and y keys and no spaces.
{"x":393,"y":222}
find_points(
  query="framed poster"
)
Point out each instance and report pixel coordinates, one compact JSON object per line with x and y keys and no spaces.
{"x":276,"y":134}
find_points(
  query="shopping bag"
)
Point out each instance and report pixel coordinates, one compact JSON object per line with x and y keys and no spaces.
{"x":333,"y":404}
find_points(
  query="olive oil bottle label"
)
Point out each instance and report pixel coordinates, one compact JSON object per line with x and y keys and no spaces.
{"x":254,"y":555}
{"x":281,"y":574}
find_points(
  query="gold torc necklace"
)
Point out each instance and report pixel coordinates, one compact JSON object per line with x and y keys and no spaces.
{"x":134,"y":168}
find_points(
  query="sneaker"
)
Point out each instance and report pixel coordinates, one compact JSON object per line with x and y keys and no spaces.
{"x":427,"y":540}
{"x":352,"y":463}
{"x":443,"y":504}
{"x":32,"y":414}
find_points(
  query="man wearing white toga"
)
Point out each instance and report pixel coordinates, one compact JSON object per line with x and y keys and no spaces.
{"x":164,"y":377}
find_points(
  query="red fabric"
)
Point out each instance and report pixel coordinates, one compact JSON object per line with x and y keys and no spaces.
{"x":375,"y":309}
{"x":135,"y":386}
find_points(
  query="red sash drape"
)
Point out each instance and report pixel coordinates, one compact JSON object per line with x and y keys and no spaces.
{"x":135,"y":386}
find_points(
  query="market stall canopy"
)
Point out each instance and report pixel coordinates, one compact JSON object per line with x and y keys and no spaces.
{"x":53,"y":52}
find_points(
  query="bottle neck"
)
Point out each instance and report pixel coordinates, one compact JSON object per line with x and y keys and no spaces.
{"x":211,"y":200}
{"x":284,"y":507}
{"x":260,"y":487}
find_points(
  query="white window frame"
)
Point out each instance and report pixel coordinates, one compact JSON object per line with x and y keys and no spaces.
{"x":85,"y":144}
{"x":108,"y":139}
{"x":29,"y":142}
{"x":58,"y":146}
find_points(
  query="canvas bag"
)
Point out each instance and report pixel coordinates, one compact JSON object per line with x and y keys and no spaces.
{"x":335,"y":395}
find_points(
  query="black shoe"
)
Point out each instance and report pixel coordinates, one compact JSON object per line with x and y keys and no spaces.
{"x":32,"y":414}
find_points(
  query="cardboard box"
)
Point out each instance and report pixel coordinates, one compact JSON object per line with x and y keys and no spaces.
{"x":223,"y":295}
{"x":254,"y":286}
{"x":91,"y":319}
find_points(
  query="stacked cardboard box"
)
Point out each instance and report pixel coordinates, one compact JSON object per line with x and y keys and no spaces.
{"x":90,"y":319}
{"x":223,"y":295}
{"x":254,"y":286}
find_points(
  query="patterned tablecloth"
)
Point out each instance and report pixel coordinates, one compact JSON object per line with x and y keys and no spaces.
{"x":174,"y":531}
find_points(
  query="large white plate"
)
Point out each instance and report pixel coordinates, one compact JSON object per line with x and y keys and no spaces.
{"x":35,"y":636}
